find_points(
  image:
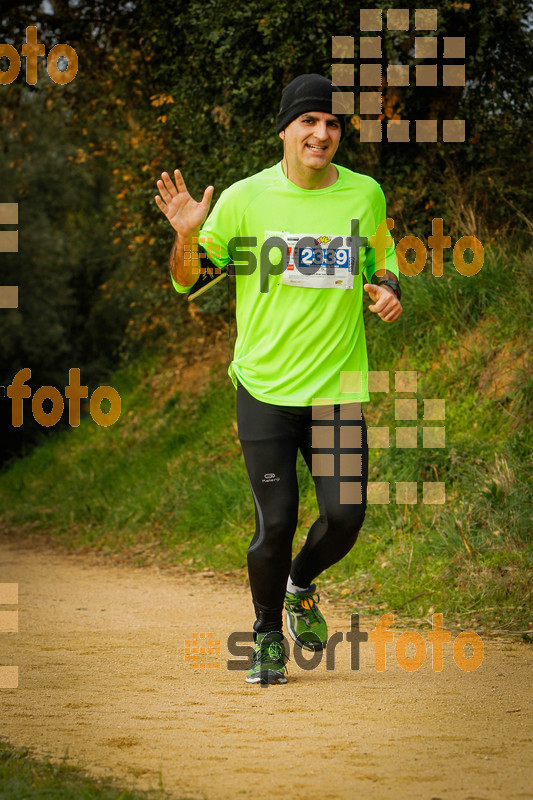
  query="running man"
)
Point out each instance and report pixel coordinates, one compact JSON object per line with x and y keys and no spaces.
{"x":300,"y":362}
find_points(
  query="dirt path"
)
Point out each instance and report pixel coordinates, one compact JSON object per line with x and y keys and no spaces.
{"x":102,"y":675}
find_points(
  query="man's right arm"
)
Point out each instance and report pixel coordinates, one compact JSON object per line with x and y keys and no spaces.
{"x":186,"y":217}
{"x":183,"y":257}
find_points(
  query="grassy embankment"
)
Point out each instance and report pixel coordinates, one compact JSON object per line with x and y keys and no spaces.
{"x":167,"y":481}
{"x":22,"y":777}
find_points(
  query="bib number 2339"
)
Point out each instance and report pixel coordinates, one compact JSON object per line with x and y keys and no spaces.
{"x":319,"y":265}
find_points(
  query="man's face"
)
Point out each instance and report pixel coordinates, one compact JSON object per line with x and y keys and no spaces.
{"x":312,"y":139}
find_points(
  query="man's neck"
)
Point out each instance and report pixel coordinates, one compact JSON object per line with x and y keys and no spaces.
{"x":310,"y":178}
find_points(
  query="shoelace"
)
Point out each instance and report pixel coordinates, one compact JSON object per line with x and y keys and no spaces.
{"x":275,"y":651}
{"x":312,"y":610}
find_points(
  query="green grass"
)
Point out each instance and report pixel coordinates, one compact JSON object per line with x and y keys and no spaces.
{"x":22,"y":776}
{"x":167,"y":481}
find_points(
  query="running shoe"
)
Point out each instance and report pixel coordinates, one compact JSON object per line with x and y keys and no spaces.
{"x":269,"y":659}
{"x":305,"y":623}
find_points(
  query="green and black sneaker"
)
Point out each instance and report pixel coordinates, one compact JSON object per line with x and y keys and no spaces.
{"x":305,"y":623}
{"x":269,"y":659}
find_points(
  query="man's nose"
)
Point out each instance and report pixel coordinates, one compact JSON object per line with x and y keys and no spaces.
{"x":321,"y":131}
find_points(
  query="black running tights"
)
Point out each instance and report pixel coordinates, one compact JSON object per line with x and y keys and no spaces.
{"x":333,"y":442}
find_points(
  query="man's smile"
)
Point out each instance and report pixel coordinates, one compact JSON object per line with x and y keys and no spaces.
{"x":316,"y":148}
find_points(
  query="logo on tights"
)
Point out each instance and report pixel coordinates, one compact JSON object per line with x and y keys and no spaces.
{"x":270,"y":477}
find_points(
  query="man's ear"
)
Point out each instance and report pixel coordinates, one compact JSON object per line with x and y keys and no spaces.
{"x":282,"y":134}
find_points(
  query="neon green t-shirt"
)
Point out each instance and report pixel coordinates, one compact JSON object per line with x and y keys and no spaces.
{"x":300,"y":337}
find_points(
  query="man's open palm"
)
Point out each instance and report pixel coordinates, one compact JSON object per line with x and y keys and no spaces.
{"x":184,"y":214}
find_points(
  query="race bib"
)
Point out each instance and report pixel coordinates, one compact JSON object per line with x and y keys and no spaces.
{"x":319,"y":265}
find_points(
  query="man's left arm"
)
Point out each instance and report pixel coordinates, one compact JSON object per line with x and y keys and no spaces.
{"x":385,"y":303}
{"x":382,"y":268}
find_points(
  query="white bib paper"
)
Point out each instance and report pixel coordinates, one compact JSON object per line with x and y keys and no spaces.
{"x":311,"y":271}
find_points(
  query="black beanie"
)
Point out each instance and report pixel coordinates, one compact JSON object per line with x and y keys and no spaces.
{"x":307,"y":93}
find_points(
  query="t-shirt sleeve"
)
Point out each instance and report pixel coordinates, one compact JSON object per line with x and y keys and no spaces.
{"x":377,"y":255}
{"x":178,"y":287}
{"x":221,"y":226}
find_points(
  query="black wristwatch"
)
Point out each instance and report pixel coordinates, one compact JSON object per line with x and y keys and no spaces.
{"x":394,"y":285}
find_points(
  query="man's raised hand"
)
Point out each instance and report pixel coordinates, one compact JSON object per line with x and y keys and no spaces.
{"x":184,"y":214}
